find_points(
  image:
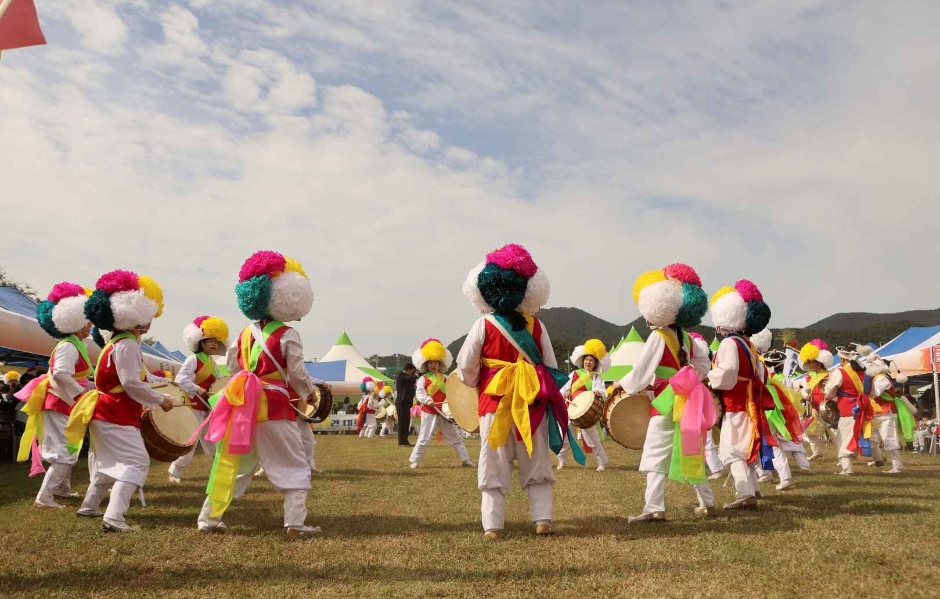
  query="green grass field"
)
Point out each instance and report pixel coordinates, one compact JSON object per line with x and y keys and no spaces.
{"x":396,"y":532}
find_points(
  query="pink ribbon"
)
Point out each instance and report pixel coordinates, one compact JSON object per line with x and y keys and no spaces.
{"x":24,"y":393}
{"x":698,"y":415}
{"x":245,"y":389}
{"x":36,"y":468}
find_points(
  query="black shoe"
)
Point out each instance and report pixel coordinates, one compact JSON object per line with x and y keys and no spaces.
{"x":405,"y":445}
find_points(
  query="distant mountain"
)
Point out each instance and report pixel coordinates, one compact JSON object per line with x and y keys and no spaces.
{"x":860,"y":320}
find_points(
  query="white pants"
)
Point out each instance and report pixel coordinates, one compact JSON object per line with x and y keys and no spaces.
{"x":654,"y":462}
{"x":816,"y":443}
{"x":429,"y":424}
{"x":734,"y":447}
{"x":279,"y":448}
{"x":309,"y":441}
{"x":387,"y":427}
{"x":121,"y":462}
{"x":711,"y":454}
{"x":494,"y":474}
{"x":884,"y":431}
{"x":58,"y":479}
{"x":592,"y":439}
{"x":179,"y":467}
{"x":781,"y":463}
{"x":368,"y":427}
{"x":844,"y":436}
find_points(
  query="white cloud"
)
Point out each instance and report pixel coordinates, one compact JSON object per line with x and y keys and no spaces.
{"x":101,"y":28}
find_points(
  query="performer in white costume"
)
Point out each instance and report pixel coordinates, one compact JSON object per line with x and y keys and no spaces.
{"x":589,"y":361}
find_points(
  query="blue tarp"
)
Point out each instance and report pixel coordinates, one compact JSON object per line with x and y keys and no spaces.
{"x":327,"y":371}
{"x":908,"y":340}
{"x":178,"y":355}
{"x":163,"y":350}
{"x":12,"y":299}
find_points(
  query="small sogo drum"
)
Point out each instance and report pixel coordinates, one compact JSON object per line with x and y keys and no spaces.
{"x":586,"y":409}
{"x":324,"y":405}
{"x":166,"y":434}
{"x":463,"y":404}
{"x":627,"y":417}
{"x":392,"y":412}
{"x":381,"y":415}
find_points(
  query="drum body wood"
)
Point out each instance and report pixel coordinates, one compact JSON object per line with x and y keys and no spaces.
{"x":166,"y":434}
{"x":381,"y":415}
{"x":586,"y":409}
{"x":627,"y":417}
{"x":219,"y":384}
{"x":324,"y":404}
{"x":463,"y":404}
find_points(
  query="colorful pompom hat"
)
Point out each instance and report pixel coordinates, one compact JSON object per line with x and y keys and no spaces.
{"x":592,"y":347}
{"x":762,"y":341}
{"x":431,"y":350}
{"x":205,"y":327}
{"x":507,"y":280}
{"x":367,"y":385}
{"x":123,"y":300}
{"x":740,"y":309}
{"x":62,"y":313}
{"x":271,"y":285}
{"x":815,"y":351}
{"x":671,"y":296}
{"x":701,"y":346}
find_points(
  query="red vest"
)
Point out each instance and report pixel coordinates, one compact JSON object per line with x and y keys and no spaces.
{"x":438,"y":398}
{"x":117,"y":408}
{"x":54,"y":402}
{"x":669,"y":361}
{"x":818,"y":393}
{"x":848,"y":396}
{"x":366,"y":399}
{"x":735,"y":399}
{"x":204,"y":385}
{"x":279,"y":407}
{"x":497,"y":347}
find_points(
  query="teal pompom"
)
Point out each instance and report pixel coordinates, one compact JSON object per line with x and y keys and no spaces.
{"x":503,"y":289}
{"x":758,"y":317}
{"x":44,"y":316}
{"x":98,"y":310}
{"x":254,"y":295}
{"x":694,"y":306}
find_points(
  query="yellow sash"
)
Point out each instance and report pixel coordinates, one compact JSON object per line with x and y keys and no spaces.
{"x":437,"y":383}
{"x":33,"y":410}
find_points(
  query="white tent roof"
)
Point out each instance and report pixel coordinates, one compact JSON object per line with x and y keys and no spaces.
{"x":343,"y":349}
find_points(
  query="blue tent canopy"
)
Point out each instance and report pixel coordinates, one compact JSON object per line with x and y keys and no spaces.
{"x":908,"y":340}
{"x":178,"y":355}
{"x":15,"y":301}
{"x":163,"y":350}
{"x":328,"y":371}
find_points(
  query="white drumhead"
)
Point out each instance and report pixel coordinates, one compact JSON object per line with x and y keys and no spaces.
{"x":580,"y":404}
{"x":178,"y":425}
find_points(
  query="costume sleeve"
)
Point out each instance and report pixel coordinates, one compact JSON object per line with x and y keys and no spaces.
{"x":186,"y":377}
{"x":293,"y":350}
{"x":880,"y":385}
{"x":231,"y":358}
{"x":644,"y":370}
{"x":834,"y":382}
{"x":64,"y":357}
{"x":128,"y":361}
{"x":599,"y":385}
{"x":724,"y":375}
{"x":548,"y":352}
{"x":699,"y":360}
{"x":566,"y":390}
{"x":421,"y":392}
{"x":468,"y":360}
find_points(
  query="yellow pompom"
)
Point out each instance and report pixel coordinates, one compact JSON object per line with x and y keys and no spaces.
{"x":88,"y":291}
{"x":434,"y":350}
{"x":153,"y":291}
{"x":291,"y":265}
{"x":722,"y":292}
{"x":647,"y":278}
{"x":215,"y":328}
{"x":596,"y":348}
{"x":808,"y":353}
{"x":12,"y":376}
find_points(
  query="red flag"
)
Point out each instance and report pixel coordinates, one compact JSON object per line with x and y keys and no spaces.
{"x":19,"y":25}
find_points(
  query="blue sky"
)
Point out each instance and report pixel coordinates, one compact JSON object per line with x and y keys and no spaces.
{"x":400,"y":141}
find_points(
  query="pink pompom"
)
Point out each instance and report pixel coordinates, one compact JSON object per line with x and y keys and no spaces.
{"x":63,"y":290}
{"x":117,"y":280}
{"x":198,"y":322}
{"x":513,"y":256}
{"x":695,"y":335}
{"x":822,"y":345}
{"x":367,"y":379}
{"x":429,"y":340}
{"x":748,"y":291}
{"x":264,"y":262}
{"x":683,"y":272}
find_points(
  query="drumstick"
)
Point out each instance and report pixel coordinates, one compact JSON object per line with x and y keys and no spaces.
{"x":441,"y":414}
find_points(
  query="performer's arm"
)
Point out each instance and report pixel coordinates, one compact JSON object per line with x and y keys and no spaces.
{"x":724,"y":375}
{"x":128,"y":362}
{"x":699,"y":361}
{"x":64,"y":358}
{"x":548,"y":352}
{"x":644,"y":369}
{"x":293,"y":350}
{"x":599,"y":386}
{"x":468,"y":360}
{"x":186,"y":377}
{"x":833,"y":384}
{"x":880,"y":385}
{"x":421,"y":392}
{"x":566,"y":390}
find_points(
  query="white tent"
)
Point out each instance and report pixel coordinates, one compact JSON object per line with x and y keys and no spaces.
{"x":624,"y":355}
{"x":343,"y":367}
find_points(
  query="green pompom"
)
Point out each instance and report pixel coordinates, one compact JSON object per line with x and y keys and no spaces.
{"x":694,"y":306}
{"x":44,"y":316}
{"x":254,"y":295}
{"x":98,"y":310}
{"x":758,"y":317}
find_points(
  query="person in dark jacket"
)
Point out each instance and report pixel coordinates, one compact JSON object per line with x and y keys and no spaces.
{"x":405,"y":385}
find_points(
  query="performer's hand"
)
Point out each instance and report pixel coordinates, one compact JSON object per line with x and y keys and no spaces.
{"x":167,"y":404}
{"x":615,"y":387}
